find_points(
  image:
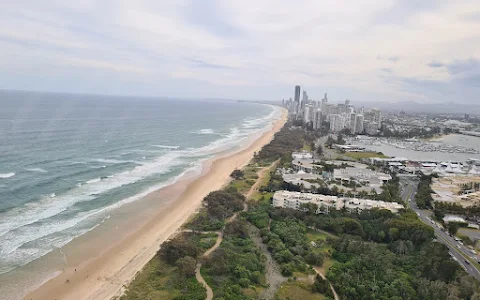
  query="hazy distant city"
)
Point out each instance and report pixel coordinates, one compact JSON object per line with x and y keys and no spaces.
{"x":350,"y":119}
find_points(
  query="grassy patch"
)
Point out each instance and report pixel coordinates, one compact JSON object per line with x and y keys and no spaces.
{"x":360,"y":155}
{"x":306,"y":147}
{"x":297,"y":290}
{"x":313,"y":235}
{"x":158,"y":280}
{"x":263,"y":197}
{"x":327,"y":264}
{"x":244,"y":184}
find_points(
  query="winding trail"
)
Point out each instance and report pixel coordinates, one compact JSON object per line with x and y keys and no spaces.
{"x":335,"y":295}
{"x":261,"y":174}
{"x":219,"y":240}
{"x":198,"y":274}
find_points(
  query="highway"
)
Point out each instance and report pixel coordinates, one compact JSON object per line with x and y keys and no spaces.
{"x":459,"y":252}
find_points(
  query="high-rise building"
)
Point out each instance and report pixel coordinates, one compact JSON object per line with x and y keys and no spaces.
{"x":353,"y":122}
{"x":324,"y":104}
{"x":308,"y":114}
{"x":317,"y":119}
{"x":297,"y":94}
{"x":304,"y":98}
{"x":337,"y":123}
{"x":359,"y":124}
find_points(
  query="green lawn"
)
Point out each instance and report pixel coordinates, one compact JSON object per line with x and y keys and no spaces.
{"x":250,"y":177}
{"x":293,"y":290}
{"x":360,"y":155}
{"x":327,"y":264}
{"x":313,"y":235}
{"x":306,"y":147}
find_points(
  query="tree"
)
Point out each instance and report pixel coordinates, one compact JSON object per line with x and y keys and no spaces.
{"x":340,"y":139}
{"x":453,"y":227}
{"x":237,"y":174}
{"x":221,"y":204}
{"x":319,"y":150}
{"x":186,"y":266}
{"x":177,"y":248}
{"x":309,"y":207}
{"x":320,"y":285}
{"x":314,"y":259}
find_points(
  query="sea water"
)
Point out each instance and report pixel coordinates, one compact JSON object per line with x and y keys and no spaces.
{"x":66,"y":160}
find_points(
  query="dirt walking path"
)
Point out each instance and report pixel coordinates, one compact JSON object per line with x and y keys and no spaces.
{"x":318,"y":271}
{"x":198,"y":274}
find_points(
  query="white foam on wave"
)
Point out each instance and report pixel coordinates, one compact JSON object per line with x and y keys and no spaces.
{"x":166,"y":146}
{"x":205,"y":131}
{"x":38,"y":170}
{"x":114,"y":161}
{"x":93,"y":180}
{"x":28,"y":252}
{"x":29,"y":232}
{"x":252,"y":123}
{"x":25,"y":244}
{"x":49,"y":207}
{"x":6,"y":175}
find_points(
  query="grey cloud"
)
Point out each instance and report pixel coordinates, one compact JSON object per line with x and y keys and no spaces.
{"x":465,"y":72}
{"x":206,"y":15}
{"x":393,"y":59}
{"x":463,"y":66}
{"x":435,"y":64}
{"x":203,"y":64}
{"x":402,"y":10}
{"x":386,"y":70}
{"x":471,"y":80}
{"x":472,"y":17}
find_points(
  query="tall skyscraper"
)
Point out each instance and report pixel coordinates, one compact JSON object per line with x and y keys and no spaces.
{"x":297,"y":94}
{"x":308,"y":114}
{"x":324,"y":104}
{"x":304,"y":98}
{"x":337,"y":123}
{"x":359,"y":124}
{"x":317,"y":119}
{"x":353,"y":123}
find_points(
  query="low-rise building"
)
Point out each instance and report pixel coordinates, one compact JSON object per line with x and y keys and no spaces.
{"x":361,"y":174}
{"x":294,"y":200}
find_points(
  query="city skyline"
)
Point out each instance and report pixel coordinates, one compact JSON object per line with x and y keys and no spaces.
{"x":368,"y":51}
{"x":340,"y":116}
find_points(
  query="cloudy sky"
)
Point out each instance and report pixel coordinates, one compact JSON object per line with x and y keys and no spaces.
{"x":367,"y":50}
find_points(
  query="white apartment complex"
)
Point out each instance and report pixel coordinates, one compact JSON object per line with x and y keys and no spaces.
{"x":287,"y":199}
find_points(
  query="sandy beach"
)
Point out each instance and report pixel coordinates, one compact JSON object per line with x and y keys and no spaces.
{"x":104,"y":276}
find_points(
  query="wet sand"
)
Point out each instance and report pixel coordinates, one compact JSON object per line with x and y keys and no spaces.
{"x":105,"y":275}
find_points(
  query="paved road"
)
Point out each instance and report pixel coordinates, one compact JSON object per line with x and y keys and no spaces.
{"x":459,"y":252}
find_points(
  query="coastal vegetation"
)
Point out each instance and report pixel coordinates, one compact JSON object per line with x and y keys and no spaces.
{"x":375,"y":254}
{"x":170,"y":274}
{"x":423,"y":198}
{"x":287,"y":140}
{"x":236,"y":270}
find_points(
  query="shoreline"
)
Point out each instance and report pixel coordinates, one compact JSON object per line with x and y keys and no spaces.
{"x":106,"y":275}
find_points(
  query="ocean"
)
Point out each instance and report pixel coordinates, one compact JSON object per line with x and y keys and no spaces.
{"x":66,"y":161}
